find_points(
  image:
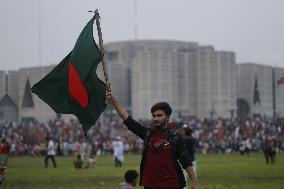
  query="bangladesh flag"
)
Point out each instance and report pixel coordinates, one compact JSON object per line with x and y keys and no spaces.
{"x":73,"y":86}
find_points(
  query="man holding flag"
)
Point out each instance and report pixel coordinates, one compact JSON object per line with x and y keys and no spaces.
{"x":73,"y":87}
{"x":163,"y":149}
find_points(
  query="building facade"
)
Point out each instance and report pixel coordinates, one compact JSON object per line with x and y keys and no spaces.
{"x":248,"y":75}
{"x":9,"y":96}
{"x":195,"y":80}
{"x":30,"y":106}
{"x":216,"y":82}
{"x":160,"y":72}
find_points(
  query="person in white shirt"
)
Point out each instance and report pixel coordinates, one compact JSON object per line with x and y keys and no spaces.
{"x":50,"y":152}
{"x":118,"y":151}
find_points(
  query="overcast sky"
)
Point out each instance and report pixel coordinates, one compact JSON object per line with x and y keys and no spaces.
{"x":31,"y":29}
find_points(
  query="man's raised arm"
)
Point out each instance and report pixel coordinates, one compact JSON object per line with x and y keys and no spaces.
{"x":118,"y":107}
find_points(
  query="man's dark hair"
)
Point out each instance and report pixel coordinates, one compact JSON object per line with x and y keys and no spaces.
{"x":164,"y":106}
{"x":130,"y":176}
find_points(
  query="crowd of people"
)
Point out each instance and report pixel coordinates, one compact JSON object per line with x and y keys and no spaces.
{"x":110,"y":136}
{"x":212,"y":136}
{"x":233,"y":135}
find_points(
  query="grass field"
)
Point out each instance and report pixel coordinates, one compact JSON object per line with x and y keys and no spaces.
{"x":214,"y":172}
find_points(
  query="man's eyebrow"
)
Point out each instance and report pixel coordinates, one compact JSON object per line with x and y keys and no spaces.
{"x":157,"y":114}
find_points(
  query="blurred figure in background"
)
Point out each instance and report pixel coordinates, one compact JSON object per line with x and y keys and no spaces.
{"x":78,"y":163}
{"x":50,"y":152}
{"x":273,"y":147}
{"x":4,"y":147}
{"x":4,"y":154}
{"x":190,"y":143}
{"x":247,"y":146}
{"x":118,"y":151}
{"x":90,"y":163}
{"x":269,"y":149}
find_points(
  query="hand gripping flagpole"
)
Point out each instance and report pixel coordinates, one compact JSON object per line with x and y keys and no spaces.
{"x":97,"y":17}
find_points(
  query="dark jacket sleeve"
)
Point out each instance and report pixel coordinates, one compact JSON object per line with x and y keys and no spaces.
{"x":135,"y":127}
{"x":190,"y":146}
{"x":184,"y":157}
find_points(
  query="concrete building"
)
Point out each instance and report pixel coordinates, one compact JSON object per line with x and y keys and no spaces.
{"x":8,"y":109}
{"x":2,"y":83}
{"x":118,"y":57}
{"x":30,"y":106}
{"x":194,"y":79}
{"x":9,"y":96}
{"x":13,"y":85}
{"x":248,"y":73}
{"x":159,"y":74}
{"x":216,"y":82}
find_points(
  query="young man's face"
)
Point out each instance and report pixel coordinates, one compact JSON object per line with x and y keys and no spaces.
{"x":159,"y":118}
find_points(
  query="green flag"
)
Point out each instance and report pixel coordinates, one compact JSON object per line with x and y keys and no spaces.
{"x":73,"y":86}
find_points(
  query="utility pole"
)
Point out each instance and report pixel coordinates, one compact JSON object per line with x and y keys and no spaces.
{"x":273,"y":92}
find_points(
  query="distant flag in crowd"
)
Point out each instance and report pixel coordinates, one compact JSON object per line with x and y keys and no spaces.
{"x":73,"y":86}
{"x":280,"y":81}
{"x":256,"y":96}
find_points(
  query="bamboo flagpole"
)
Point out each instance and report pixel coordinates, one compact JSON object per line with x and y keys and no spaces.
{"x":97,"y":17}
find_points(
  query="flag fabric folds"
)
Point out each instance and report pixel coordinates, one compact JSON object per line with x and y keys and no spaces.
{"x":280,"y":81}
{"x":256,"y":96}
{"x":73,"y":86}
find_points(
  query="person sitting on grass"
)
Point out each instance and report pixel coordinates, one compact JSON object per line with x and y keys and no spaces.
{"x":78,"y":162}
{"x":91,"y":163}
{"x":130,"y":177}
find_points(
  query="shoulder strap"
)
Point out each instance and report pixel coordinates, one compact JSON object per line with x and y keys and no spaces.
{"x":173,"y":136}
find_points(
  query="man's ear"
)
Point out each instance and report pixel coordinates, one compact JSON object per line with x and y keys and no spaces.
{"x":168,"y":118}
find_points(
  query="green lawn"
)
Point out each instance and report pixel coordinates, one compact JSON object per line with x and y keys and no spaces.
{"x":214,"y":172}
